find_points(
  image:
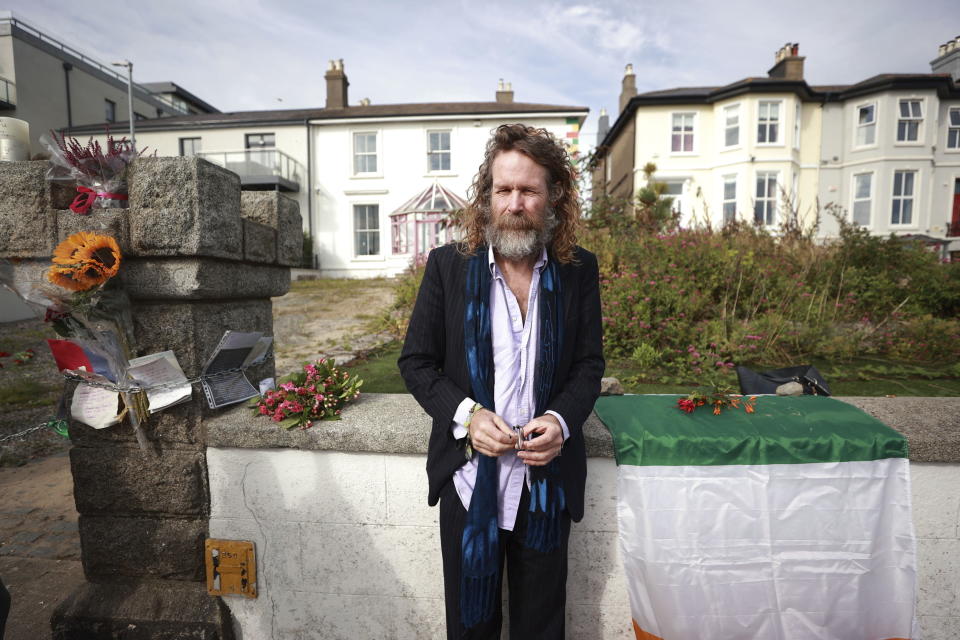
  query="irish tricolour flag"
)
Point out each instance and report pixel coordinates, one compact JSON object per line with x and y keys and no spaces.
{"x":789,"y":523}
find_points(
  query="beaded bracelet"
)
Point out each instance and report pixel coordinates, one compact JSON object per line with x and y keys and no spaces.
{"x":468,"y":448}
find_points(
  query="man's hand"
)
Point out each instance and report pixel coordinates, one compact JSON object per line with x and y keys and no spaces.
{"x":489,"y":434}
{"x":546,"y":445}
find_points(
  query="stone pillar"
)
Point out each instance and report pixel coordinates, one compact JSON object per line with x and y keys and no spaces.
{"x":198,"y":259}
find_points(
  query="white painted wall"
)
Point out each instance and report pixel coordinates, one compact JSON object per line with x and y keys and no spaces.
{"x":347,"y":547}
{"x":402,"y":173}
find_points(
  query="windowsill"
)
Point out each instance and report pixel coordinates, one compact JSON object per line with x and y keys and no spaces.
{"x":376,"y":258}
{"x":957,"y":150}
{"x":865,"y":147}
{"x":365,"y":192}
{"x":912,"y":143}
{"x":681,"y":154}
{"x":738,"y":147}
{"x":440,"y":174}
{"x":903,"y":227}
{"x":770,"y":144}
{"x":366,"y":176}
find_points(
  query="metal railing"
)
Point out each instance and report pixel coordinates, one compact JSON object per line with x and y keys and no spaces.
{"x":257,"y":162}
{"x":53,"y":42}
{"x":8,"y":92}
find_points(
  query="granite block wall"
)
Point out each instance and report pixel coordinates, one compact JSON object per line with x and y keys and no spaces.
{"x":198,"y":259}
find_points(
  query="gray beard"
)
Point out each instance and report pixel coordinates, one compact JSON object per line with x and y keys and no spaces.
{"x":517,"y":245}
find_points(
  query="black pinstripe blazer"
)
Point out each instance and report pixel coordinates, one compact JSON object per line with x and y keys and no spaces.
{"x":433,"y":363}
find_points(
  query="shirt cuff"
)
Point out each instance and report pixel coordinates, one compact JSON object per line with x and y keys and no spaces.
{"x":563,"y":424}
{"x":458,"y":427}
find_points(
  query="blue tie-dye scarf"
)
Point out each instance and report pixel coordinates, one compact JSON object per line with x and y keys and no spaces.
{"x":480,"y":559}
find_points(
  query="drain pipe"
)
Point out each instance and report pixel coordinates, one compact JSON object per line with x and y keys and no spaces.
{"x":313,"y":238}
{"x":67,"y":68}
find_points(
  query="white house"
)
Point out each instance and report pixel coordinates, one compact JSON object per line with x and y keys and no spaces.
{"x":351,"y":166}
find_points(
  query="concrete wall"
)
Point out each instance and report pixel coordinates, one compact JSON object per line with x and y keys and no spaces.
{"x":347,"y":548}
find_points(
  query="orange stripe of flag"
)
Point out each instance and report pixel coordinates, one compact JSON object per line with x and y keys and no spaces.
{"x":643,"y":635}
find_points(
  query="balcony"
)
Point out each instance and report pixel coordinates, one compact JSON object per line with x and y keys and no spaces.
{"x":8,"y":94}
{"x":260,"y":169}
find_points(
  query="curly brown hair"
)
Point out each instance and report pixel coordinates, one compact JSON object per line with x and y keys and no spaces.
{"x":543,"y":148}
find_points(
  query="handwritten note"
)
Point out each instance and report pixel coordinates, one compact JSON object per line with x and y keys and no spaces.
{"x":161,"y":368}
{"x":95,"y":406}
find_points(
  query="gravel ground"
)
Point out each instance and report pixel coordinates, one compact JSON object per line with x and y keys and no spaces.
{"x":28,"y":393}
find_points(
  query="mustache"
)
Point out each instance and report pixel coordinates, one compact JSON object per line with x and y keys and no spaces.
{"x":517,"y":222}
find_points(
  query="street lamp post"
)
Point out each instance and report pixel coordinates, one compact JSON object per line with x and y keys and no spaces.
{"x":129,"y":66}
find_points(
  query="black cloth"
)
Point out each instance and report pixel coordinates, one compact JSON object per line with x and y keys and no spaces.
{"x":4,"y":607}
{"x":537,"y":581}
{"x":434,"y":367}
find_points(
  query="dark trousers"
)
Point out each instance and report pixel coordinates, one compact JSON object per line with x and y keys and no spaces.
{"x":537,"y":582}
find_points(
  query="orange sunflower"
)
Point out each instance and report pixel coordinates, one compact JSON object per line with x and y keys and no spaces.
{"x":68,"y":278}
{"x":84,"y":260}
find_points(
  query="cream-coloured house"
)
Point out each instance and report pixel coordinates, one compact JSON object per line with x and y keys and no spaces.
{"x":884,"y":153}
{"x":747,"y":150}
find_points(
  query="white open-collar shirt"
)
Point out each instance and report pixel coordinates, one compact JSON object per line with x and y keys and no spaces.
{"x":515,"y":348}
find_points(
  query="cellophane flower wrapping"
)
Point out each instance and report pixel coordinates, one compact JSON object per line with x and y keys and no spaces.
{"x":81,"y":303}
{"x":99,"y":173}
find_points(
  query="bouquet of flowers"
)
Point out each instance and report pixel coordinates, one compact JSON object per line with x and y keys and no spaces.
{"x":101,"y":176}
{"x":319,"y":392}
{"x":719,"y":398}
{"x":93,"y":317}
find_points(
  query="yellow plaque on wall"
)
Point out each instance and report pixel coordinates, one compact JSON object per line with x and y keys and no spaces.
{"x":231,"y":568}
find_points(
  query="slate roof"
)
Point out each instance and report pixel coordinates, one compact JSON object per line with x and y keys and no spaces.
{"x":943,"y":83}
{"x":299,"y":116}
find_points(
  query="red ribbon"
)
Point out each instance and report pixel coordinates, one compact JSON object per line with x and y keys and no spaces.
{"x":86,"y":196}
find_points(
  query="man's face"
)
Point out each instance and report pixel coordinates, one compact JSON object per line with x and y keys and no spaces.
{"x":521,"y":222}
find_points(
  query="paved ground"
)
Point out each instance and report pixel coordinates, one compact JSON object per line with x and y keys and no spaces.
{"x":39,"y":540}
{"x":39,"y":543}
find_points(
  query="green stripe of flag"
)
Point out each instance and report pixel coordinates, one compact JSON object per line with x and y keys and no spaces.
{"x":573,"y":120}
{"x":652,"y":431}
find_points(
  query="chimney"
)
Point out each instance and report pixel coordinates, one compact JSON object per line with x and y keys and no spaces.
{"x":504,"y":92}
{"x":628,"y":88}
{"x":788,"y":63}
{"x":603,"y":125}
{"x":337,"y":84}
{"x":948,"y":59}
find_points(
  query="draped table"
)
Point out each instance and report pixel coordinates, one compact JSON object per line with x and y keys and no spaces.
{"x":793,"y":522}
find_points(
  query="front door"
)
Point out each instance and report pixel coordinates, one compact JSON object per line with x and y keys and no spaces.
{"x":955,"y":220}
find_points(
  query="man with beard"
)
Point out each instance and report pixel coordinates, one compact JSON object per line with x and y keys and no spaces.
{"x":504,"y":352}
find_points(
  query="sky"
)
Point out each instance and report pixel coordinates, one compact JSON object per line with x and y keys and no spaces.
{"x":244,"y":54}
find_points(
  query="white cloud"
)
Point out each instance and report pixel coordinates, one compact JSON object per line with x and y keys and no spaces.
{"x":244,"y":54}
